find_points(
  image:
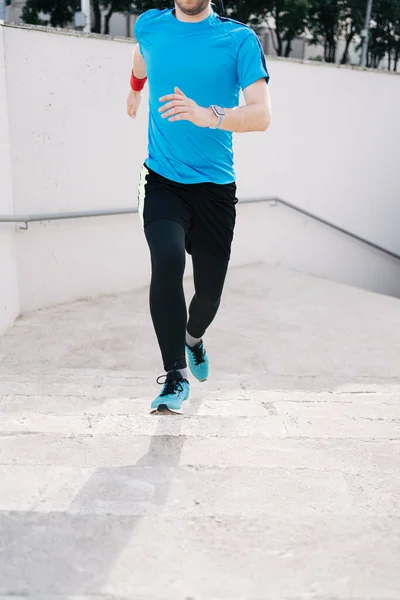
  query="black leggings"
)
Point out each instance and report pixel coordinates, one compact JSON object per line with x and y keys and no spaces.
{"x":166,"y":239}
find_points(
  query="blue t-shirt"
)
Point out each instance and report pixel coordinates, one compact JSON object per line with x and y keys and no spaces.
{"x":210,"y":61}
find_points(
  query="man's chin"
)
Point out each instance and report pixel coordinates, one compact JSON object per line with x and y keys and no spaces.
{"x":192,"y":12}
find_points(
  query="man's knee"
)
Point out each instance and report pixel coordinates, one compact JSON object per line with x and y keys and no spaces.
{"x":209,"y":300}
{"x":167,"y":246}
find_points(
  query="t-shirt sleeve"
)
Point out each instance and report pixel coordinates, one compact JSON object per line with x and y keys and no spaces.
{"x":251,"y":64}
{"x":142,"y":27}
{"x":138,"y":28}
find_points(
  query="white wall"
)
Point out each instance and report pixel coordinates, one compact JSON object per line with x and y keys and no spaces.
{"x":73,"y":149}
{"x":9,"y":304}
{"x":66,"y":260}
{"x":280,"y":236}
{"x":333,"y":149}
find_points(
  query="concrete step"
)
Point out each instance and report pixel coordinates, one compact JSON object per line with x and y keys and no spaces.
{"x":193,"y":490}
{"x":165,"y":556}
{"x":121,"y":450}
{"x":206,"y":425}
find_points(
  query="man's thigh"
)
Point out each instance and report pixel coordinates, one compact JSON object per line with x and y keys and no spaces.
{"x":213,"y":222}
{"x":159,"y":198}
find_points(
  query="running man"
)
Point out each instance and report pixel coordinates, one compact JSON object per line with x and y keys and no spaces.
{"x":196,"y":63}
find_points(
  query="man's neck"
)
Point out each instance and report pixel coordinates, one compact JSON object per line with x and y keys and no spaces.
{"x":195,"y":18}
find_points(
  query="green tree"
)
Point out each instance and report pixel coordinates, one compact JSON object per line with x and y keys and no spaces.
{"x":96,"y":16}
{"x":290,"y":18}
{"x":377,"y":41}
{"x":352,"y":19}
{"x":61,"y":12}
{"x":143,"y":5}
{"x":250,"y":12}
{"x":396,"y":45}
{"x":384,"y":33}
{"x":30,"y":13}
{"x":324,"y":22}
{"x":330,"y":19}
{"x":113,"y":6}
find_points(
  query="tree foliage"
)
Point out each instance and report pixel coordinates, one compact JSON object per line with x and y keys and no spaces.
{"x":114,"y":6}
{"x":290,"y":18}
{"x":140,"y":6}
{"x":352,"y":18}
{"x":324,"y":22}
{"x":384,"y":35}
{"x":251,"y":12}
{"x":60,"y":12}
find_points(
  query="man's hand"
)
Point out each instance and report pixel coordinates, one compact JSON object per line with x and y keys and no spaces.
{"x":133,"y":103}
{"x":181,"y":108}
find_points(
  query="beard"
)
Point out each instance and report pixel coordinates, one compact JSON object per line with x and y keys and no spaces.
{"x":195,"y":8}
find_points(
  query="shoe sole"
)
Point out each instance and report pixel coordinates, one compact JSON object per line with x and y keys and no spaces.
{"x":199,"y":380}
{"x":163,"y":409}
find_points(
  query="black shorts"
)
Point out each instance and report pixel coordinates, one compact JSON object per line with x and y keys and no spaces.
{"x":207,"y":211}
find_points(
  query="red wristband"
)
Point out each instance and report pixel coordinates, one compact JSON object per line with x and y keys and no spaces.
{"x":137,"y":84}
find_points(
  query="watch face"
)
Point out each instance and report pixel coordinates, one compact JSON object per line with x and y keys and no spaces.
{"x":220,"y":111}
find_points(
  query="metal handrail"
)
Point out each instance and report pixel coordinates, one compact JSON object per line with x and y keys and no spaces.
{"x":354,"y":236}
{"x":65,"y":215}
{"x":126,"y":211}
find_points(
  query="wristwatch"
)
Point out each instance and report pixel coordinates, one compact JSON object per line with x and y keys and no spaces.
{"x":220,"y":113}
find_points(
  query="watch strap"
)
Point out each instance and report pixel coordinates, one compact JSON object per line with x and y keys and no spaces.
{"x":219,"y":117}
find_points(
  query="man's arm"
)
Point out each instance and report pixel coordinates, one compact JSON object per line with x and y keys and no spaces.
{"x":139,"y":71}
{"x":139,"y":66}
{"x":255,"y":116}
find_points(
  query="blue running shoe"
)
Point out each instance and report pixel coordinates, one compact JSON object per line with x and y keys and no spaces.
{"x":175,"y":391}
{"x":198,"y":361}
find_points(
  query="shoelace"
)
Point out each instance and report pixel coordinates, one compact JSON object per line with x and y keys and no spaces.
{"x":172,"y":384}
{"x":198,"y":353}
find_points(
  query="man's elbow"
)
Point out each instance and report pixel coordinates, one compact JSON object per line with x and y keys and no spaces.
{"x":265,"y":120}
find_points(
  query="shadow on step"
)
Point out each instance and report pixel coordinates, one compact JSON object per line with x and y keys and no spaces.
{"x":77,"y":552}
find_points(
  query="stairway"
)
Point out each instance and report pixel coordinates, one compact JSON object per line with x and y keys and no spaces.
{"x":280,"y":482}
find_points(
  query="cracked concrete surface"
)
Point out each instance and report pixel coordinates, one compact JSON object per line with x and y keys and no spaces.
{"x":281,"y":481}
